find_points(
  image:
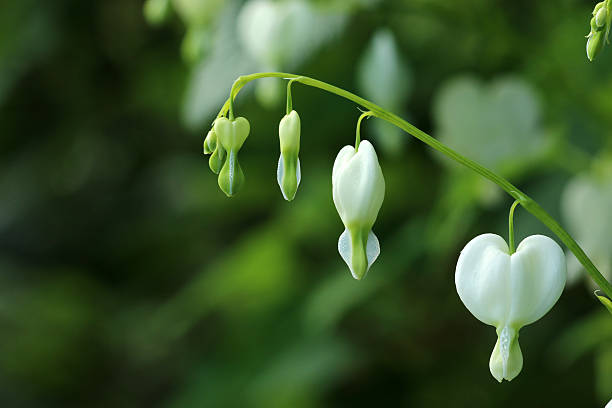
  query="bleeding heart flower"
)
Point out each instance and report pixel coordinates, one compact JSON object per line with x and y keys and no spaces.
{"x":509,"y":291}
{"x":358,"y":191}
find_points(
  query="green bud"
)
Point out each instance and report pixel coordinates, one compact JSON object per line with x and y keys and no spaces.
{"x":600,"y":17}
{"x":217,"y":158}
{"x":289,"y":173}
{"x":594,"y":27}
{"x":594,"y":45}
{"x":598,"y":7}
{"x":210,"y":142}
{"x":231,"y":176}
{"x":231,"y":135}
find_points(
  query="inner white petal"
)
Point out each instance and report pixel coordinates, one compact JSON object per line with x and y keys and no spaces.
{"x":279,"y":175}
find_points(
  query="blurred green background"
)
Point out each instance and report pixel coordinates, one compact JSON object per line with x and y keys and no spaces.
{"x":128,"y":279}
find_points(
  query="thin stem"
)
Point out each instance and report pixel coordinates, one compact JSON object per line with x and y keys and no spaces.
{"x":511,"y":227}
{"x":289,"y":98}
{"x":358,"y":130}
{"x":231,"y":107}
{"x":526,"y":202}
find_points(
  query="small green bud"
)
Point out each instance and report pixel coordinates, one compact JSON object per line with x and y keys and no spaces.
{"x":594,"y":44}
{"x":217,"y":158}
{"x":231,"y":135}
{"x":210,"y":142}
{"x":601,"y":16}
{"x":231,"y":176}
{"x":598,"y":7}
{"x":289,"y":173}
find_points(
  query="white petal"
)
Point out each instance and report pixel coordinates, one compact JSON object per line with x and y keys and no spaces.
{"x":345,"y":249}
{"x":358,"y":186}
{"x":279,"y":174}
{"x":372,"y":248}
{"x":538,"y":278}
{"x":343,"y":156}
{"x":510,"y":290}
{"x":482,"y":278}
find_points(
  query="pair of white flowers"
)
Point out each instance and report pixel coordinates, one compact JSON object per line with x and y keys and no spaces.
{"x":358,"y":192}
{"x":505,"y":289}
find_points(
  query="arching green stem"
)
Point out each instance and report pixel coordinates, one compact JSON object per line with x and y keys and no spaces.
{"x":526,"y":202}
{"x":511,"y":227}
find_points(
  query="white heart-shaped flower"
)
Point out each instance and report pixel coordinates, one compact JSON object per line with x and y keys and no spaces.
{"x":509,"y":291}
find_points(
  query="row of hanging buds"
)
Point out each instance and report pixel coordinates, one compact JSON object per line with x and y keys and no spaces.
{"x":358,"y":186}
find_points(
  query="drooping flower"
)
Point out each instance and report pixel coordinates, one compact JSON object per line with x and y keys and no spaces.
{"x":358,"y":192}
{"x":509,"y":291}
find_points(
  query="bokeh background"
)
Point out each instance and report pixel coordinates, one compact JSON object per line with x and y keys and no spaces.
{"x":128,"y":279}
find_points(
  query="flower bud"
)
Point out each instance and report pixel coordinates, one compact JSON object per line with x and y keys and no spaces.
{"x":289,"y":174}
{"x":217,"y":158}
{"x":210,"y":142}
{"x":509,"y":291}
{"x":231,"y":135}
{"x":598,"y":7}
{"x":595,"y":43}
{"x":358,"y":191}
{"x":601,"y":16}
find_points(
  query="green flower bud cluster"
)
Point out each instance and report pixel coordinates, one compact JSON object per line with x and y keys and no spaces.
{"x":226,"y":138}
{"x":600,"y":28}
{"x":223,"y":143}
